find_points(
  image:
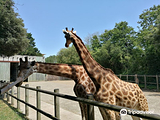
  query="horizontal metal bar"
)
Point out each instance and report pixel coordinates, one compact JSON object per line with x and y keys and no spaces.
{"x":41,"y":111}
{"x":139,"y":75}
{"x":99,"y":104}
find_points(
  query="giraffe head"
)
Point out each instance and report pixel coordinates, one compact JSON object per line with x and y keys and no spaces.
{"x":69,"y":36}
{"x":26,"y":68}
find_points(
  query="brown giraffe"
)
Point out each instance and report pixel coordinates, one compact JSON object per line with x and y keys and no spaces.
{"x":83,"y":83}
{"x":110,"y":89}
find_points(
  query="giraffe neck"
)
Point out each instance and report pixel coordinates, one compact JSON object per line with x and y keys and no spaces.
{"x":94,"y":69}
{"x":64,"y":70}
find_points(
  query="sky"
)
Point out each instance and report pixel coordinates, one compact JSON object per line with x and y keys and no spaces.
{"x":45,"y":19}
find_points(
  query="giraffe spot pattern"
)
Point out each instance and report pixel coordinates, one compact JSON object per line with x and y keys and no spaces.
{"x":124,"y":91}
{"x":107,"y":86}
{"x":109,"y":79}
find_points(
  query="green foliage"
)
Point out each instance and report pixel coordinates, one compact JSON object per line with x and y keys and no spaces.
{"x":95,"y":43}
{"x":12,"y":33}
{"x":149,"y":17}
{"x":68,"y":55}
{"x":31,"y":49}
{"x":51,"y":59}
{"x":117,"y":45}
{"x":149,"y":37}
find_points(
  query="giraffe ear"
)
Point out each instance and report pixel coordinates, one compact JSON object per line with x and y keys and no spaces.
{"x":65,"y":32}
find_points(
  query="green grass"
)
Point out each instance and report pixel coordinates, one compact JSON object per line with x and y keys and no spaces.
{"x":7,"y":112}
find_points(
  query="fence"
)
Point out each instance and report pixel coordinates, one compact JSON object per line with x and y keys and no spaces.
{"x":90,"y":103}
{"x":144,"y":81}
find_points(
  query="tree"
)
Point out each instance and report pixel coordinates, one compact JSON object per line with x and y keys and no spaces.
{"x":68,"y":56}
{"x":148,"y":36}
{"x":117,"y":47}
{"x":149,"y":17}
{"x":95,"y":43}
{"x":12,"y":32}
{"x":51,"y":59}
{"x":31,"y":49}
{"x":153,"y":51}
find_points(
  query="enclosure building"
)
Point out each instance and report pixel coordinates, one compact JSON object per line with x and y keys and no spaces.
{"x":9,"y":68}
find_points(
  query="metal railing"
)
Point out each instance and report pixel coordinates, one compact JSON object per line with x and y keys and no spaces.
{"x":90,"y":103}
{"x":143,"y":80}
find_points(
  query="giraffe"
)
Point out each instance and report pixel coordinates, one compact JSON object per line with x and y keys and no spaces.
{"x":83,"y":83}
{"x":110,"y":89}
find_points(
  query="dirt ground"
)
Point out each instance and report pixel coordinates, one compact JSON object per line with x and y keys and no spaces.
{"x":69,"y":110}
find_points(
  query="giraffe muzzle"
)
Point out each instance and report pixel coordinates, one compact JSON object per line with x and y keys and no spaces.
{"x":66,"y":45}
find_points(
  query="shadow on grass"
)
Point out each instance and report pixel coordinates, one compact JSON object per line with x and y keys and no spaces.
{"x":20,"y":114}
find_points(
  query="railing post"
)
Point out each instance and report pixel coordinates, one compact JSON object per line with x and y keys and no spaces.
{"x":157,"y":83}
{"x":3,"y":93}
{"x":90,"y":108}
{"x":26,"y":100}
{"x":127,"y":77}
{"x":18,"y":96}
{"x":145,"y":82}
{"x":120,"y":76}
{"x":38,"y":98}
{"x":12,"y":93}
{"x":136,"y":79}
{"x":56,"y":105}
{"x":7,"y":96}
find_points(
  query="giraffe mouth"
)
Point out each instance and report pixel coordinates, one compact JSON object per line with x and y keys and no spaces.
{"x":66,"y":45}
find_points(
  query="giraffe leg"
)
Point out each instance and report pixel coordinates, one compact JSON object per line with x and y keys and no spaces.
{"x":82,"y":111}
{"x":117,"y":115}
{"x":107,"y":114}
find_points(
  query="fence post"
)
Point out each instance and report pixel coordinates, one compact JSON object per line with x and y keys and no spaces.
{"x":56,"y":105}
{"x":18,"y":96}
{"x":7,"y":96}
{"x":26,"y":100}
{"x":145,"y":82}
{"x":4,"y":95}
{"x":127,"y":77}
{"x":90,"y":108}
{"x":2,"y":83}
{"x":136,"y":79}
{"x":120,"y":76}
{"x":38,"y":98}
{"x":12,"y":93}
{"x":157,"y":83}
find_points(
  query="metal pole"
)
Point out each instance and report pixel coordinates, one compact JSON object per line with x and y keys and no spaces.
{"x":18,"y":96}
{"x":145,"y":82}
{"x":90,"y":108}
{"x":127,"y":77}
{"x":12,"y":93}
{"x":26,"y":100}
{"x":7,"y":96}
{"x":56,"y":104}
{"x":38,"y":98}
{"x":157,"y":83}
